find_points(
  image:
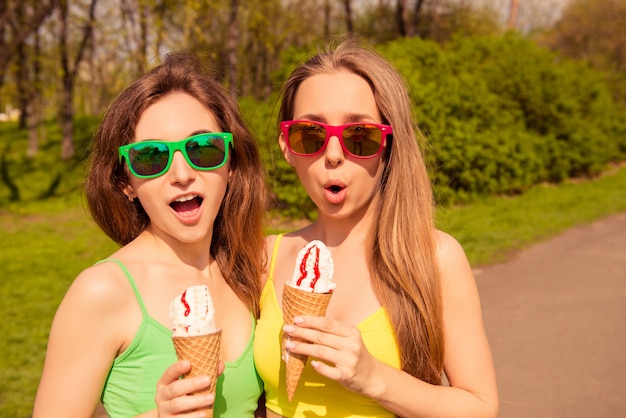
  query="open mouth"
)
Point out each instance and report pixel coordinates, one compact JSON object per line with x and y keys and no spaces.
{"x":335,"y":189}
{"x":186,"y":203}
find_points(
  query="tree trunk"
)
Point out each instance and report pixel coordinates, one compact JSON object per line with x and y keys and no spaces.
{"x":33,"y":126}
{"x":401,"y":18}
{"x":513,"y":10}
{"x":8,"y":44}
{"x":144,"y":16}
{"x":231,"y":48}
{"x":327,"y":18}
{"x":435,"y":21}
{"x":348,"y":9}
{"x":66,"y":109}
{"x":417,"y":14}
{"x":22,"y":85}
{"x":34,"y":111}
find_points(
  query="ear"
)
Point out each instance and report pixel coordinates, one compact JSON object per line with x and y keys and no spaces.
{"x":129,"y":192}
{"x":285,"y":149}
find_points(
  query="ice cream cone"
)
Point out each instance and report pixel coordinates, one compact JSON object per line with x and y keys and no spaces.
{"x":299,"y":302}
{"x":203,"y":351}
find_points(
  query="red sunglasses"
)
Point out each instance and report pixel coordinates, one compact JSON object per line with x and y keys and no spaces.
{"x":359,"y":140}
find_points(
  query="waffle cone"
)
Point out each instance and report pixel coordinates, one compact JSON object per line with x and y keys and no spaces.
{"x":203,"y":351}
{"x":298,"y":302}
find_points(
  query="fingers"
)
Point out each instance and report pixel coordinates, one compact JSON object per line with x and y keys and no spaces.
{"x":324,"y":324}
{"x":323,"y":331}
{"x":323,"y":338}
{"x":172,"y":395}
{"x":338,"y":345}
{"x":174,"y":372}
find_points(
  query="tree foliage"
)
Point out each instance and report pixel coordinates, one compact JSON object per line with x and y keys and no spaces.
{"x":499,"y":113}
{"x":502,"y":114}
{"x":594,"y":31}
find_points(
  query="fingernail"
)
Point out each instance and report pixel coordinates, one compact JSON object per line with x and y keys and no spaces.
{"x":289,"y":344}
{"x":298,"y":320}
{"x":289,"y":328}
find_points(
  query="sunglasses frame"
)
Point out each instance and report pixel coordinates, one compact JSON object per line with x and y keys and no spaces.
{"x":337,"y":131}
{"x":172,"y":147}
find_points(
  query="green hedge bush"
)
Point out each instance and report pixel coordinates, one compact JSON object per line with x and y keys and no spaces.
{"x":498,"y":115}
{"x":502,"y":114}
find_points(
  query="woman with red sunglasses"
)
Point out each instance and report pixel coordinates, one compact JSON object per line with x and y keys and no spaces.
{"x":405,"y":310}
{"x":176,"y":180}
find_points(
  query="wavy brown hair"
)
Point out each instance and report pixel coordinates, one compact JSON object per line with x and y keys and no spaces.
{"x":403,"y":256}
{"x":237,"y":242}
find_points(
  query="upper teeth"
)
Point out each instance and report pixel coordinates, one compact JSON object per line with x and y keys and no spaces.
{"x":185,"y":198}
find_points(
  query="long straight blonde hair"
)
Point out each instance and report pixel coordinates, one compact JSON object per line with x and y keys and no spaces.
{"x":403,"y":263}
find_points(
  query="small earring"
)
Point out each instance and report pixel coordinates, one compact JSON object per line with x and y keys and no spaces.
{"x":131,"y":198}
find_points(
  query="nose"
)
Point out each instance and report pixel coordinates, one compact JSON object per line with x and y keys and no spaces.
{"x":334,"y":152}
{"x":180,"y":171}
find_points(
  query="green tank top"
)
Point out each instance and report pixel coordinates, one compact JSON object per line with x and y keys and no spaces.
{"x":130,"y":386}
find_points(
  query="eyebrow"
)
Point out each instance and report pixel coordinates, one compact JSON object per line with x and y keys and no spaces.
{"x":351,"y":118}
{"x":198,"y":132}
{"x":202,"y":131}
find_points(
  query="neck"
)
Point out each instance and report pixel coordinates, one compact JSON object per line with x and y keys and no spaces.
{"x":336,"y":231}
{"x":195,"y":254}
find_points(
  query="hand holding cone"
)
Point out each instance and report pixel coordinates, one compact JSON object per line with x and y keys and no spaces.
{"x":203,"y":351}
{"x":308,"y":293}
{"x":298,"y":302}
{"x":195,"y":335}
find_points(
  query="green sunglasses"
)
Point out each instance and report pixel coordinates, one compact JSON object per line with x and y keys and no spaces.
{"x":150,"y":159}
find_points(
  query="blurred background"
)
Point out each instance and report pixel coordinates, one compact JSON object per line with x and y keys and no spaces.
{"x":508,"y":93}
{"x":521,"y":107}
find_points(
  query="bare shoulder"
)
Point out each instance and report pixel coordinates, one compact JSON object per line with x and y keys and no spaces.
{"x":99,"y":287}
{"x":270,"y":240}
{"x":289,"y":242}
{"x":99,"y":295}
{"x":452,"y":261}
{"x":448,"y":248}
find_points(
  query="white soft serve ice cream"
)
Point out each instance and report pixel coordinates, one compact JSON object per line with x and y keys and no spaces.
{"x":314,"y":269}
{"x":192,"y":312}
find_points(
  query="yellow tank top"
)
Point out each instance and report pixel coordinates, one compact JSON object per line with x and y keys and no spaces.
{"x":316,"y":396}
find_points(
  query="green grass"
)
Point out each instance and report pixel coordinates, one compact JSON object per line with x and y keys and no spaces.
{"x":46,"y":242}
{"x":43,"y":249}
{"x":494,"y":228}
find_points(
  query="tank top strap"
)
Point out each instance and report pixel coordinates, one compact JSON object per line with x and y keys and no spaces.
{"x":274,"y":255}
{"x":131,"y":281}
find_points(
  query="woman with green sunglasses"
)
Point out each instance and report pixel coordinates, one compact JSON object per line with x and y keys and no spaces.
{"x":176,"y":180}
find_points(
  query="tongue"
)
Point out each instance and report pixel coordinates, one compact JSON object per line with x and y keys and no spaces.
{"x":186,"y":206}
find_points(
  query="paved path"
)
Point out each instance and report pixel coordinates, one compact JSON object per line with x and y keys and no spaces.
{"x":556,"y":321}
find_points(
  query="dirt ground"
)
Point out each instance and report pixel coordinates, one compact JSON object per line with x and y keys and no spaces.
{"x":556,"y":320}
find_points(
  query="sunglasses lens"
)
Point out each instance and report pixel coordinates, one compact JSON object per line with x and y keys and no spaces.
{"x":306,"y":138}
{"x":206,"y":151}
{"x":148,"y":159}
{"x":362,"y":140}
